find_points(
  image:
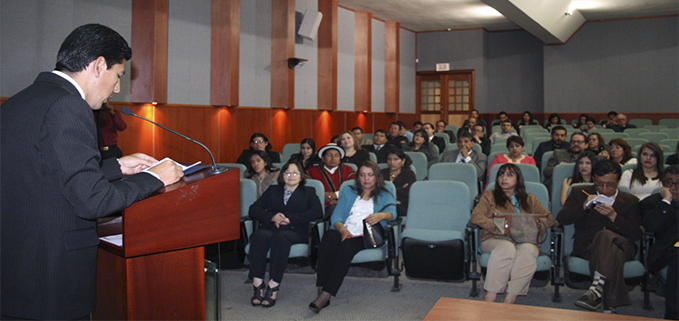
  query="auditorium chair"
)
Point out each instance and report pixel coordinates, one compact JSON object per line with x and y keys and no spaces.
{"x":669,"y":122}
{"x":240,"y":166}
{"x":458,"y":172}
{"x":288,"y":151}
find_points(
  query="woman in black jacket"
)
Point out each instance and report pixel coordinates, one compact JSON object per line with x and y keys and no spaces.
{"x":283,"y":212}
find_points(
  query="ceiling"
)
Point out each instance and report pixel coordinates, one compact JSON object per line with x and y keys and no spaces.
{"x":437,"y":15}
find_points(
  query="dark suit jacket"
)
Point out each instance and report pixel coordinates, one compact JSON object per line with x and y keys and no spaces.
{"x":479,"y":161}
{"x":439,"y":142}
{"x":303,"y":206}
{"x":661,"y":219}
{"x":588,"y":222}
{"x":620,"y":129}
{"x":381,"y":154}
{"x":53,"y":190}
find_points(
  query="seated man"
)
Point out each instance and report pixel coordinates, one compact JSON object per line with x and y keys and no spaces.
{"x":332,"y":173}
{"x":660,"y":218}
{"x":558,"y":141}
{"x":358,"y":131}
{"x":604,"y":235}
{"x":466,"y":154}
{"x":416,"y":126}
{"x":441,"y":128}
{"x":468,"y":126}
{"x":438,"y":141}
{"x":395,"y":138}
{"x":479,"y":137}
{"x":475,"y":114}
{"x":606,"y":123}
{"x":506,"y":130}
{"x":621,"y":124}
{"x":379,"y":146}
{"x":579,"y":144}
{"x":403,"y":132}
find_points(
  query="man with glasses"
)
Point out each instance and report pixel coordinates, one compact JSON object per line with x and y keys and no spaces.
{"x":479,"y":137}
{"x":660,"y":218}
{"x":604,"y":235}
{"x":558,"y":141}
{"x":577,"y":145}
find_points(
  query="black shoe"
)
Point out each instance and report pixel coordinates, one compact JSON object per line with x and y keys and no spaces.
{"x":268,"y":297}
{"x":590,"y":301}
{"x":258,"y":294}
{"x":315,"y":308}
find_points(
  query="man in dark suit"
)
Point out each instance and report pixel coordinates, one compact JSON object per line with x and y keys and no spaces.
{"x":558,"y":141}
{"x":479,"y":137}
{"x":661,"y":217}
{"x":54,"y":184}
{"x":438,"y":141}
{"x":395,"y":138}
{"x":380,"y":147}
{"x":465,"y":153}
{"x":621,"y":124}
{"x":441,"y":128}
{"x":604,"y":235}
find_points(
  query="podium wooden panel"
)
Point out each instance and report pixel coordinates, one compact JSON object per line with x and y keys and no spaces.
{"x":157,"y":273}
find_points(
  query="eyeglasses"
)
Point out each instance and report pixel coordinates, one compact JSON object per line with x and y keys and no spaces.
{"x":291,"y":174}
{"x":256,"y":142}
{"x":609,"y":185}
{"x":577,"y":142}
{"x":670,"y":183}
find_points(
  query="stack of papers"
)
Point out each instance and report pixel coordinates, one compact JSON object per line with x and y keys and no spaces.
{"x":600,"y":199}
{"x":184,"y":168}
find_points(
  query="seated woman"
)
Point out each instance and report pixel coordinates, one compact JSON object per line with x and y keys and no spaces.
{"x":582,"y":173}
{"x":258,"y":141}
{"x":590,"y":125}
{"x":645,"y":178}
{"x":620,"y":152}
{"x":421,"y":144}
{"x":261,"y":170}
{"x":554,"y":119}
{"x":511,"y":266}
{"x":353,"y":153}
{"x":284,"y":213}
{"x":515,"y":145}
{"x":581,"y":122}
{"x":526,"y":119}
{"x":400,"y":174}
{"x":307,"y":156}
{"x":596,"y":143}
{"x":368,"y":201}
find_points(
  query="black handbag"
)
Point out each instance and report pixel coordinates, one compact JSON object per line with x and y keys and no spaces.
{"x":373,"y":235}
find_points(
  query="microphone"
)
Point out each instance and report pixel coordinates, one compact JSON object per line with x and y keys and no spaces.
{"x":215,"y":169}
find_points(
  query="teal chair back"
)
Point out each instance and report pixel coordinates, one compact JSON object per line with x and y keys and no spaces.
{"x":373,"y":157}
{"x":499,"y":148}
{"x":671,"y":143}
{"x":634,"y":132}
{"x":536,"y":141}
{"x":640,"y":122}
{"x":543,"y":164}
{"x":437,"y":211}
{"x":561,"y":172}
{"x":669,"y":122}
{"x":654,"y":136}
{"x":289,"y":150}
{"x":320,"y":190}
{"x":613,"y":135}
{"x":634,"y":141}
{"x":368,"y":136}
{"x":655,"y":128}
{"x":530,"y":173}
{"x":458,"y":172}
{"x":452,"y":128}
{"x":420,"y":163}
{"x":242,"y":168}
{"x":445,"y":137}
{"x":248,"y":196}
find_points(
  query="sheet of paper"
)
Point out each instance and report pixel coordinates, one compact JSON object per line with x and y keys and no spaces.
{"x":113,"y":239}
{"x":184,"y":168}
{"x":601,"y":199}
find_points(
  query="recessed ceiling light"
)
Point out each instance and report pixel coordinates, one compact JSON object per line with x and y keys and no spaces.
{"x":488,"y":11}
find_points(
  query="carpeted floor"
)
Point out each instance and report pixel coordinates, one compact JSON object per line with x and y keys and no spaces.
{"x":362,"y":298}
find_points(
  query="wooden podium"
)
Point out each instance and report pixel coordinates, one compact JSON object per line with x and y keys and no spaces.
{"x":158,"y":271}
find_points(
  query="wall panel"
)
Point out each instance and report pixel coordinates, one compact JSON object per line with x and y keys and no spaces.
{"x":345,"y":60}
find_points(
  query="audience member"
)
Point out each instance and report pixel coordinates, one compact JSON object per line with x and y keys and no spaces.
{"x":673,"y":159}
{"x":466,"y":154}
{"x":358,"y":132}
{"x":283,"y":214}
{"x":562,"y":156}
{"x":109,"y":122}
{"x":621,"y":123}
{"x":421,"y":144}
{"x":368,"y":200}
{"x":511,"y":266}
{"x":645,"y":178}
{"x":307,"y":156}
{"x":596,"y":143}
{"x":475,"y":113}
{"x":590,"y":125}
{"x":620,"y":152}
{"x":502,"y":116}
{"x":332,"y":173}
{"x":660,"y":218}
{"x":610,"y":120}
{"x":581,"y":122}
{"x":604,"y":235}
{"x":403,"y":132}
{"x":379,"y":146}
{"x":258,"y":141}
{"x":441,"y":128}
{"x":553,"y":120}
{"x":417,"y":125}
{"x":506,"y":131}
{"x":353,"y":153}
{"x":402,"y":176}
{"x":468,"y":126}
{"x":479,"y":137}
{"x":438,"y":141}
{"x":582,"y":173}
{"x":261,"y":170}
{"x":515,"y":146}
{"x":526,"y":119}
{"x":395,"y":138}
{"x":558,"y":141}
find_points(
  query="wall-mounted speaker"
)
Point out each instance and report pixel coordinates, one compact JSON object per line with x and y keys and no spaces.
{"x":309,"y":27}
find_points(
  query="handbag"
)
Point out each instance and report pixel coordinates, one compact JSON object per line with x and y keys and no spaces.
{"x":521,"y":227}
{"x":374,"y":235}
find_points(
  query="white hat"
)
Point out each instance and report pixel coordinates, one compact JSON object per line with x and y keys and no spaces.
{"x":331,"y":146}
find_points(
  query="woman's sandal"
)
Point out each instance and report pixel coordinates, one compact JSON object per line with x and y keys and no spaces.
{"x":268,"y":297}
{"x":258,"y":294}
{"x":316,"y":309}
